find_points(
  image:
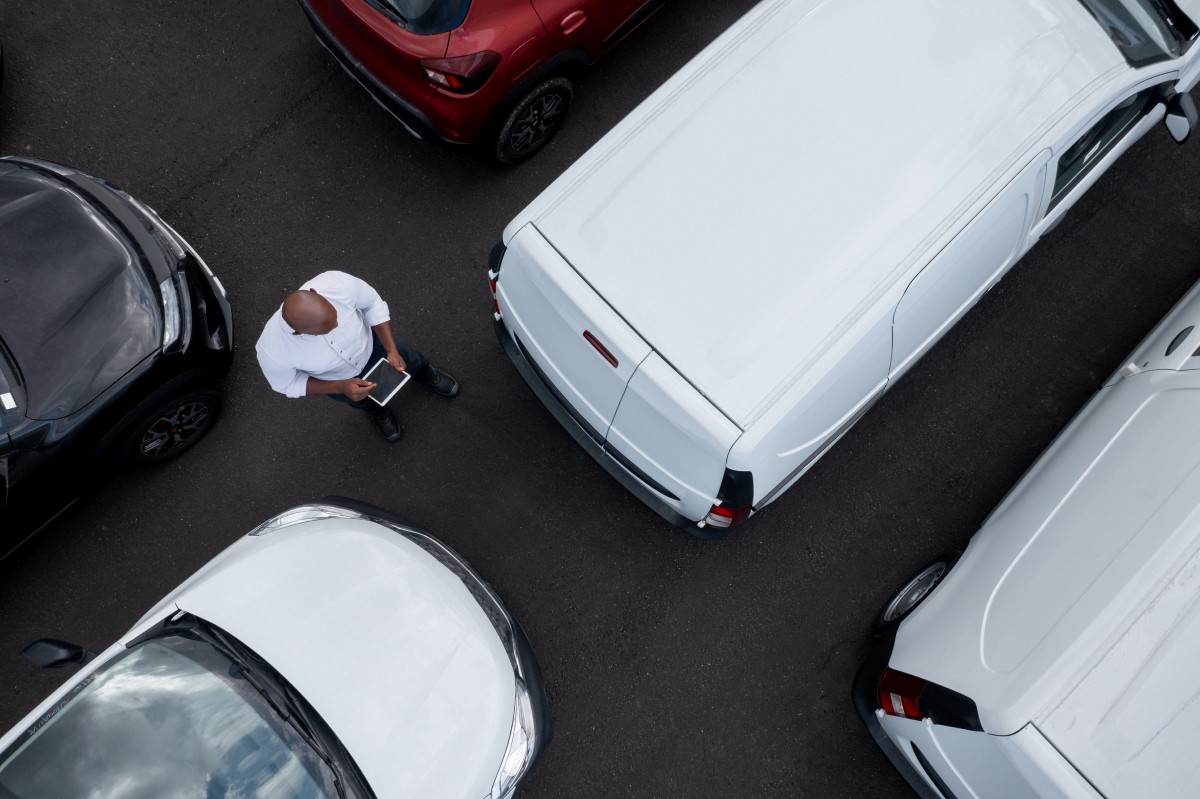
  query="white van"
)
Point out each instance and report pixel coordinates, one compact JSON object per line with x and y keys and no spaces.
{"x":713,"y":294}
{"x":1058,"y":657}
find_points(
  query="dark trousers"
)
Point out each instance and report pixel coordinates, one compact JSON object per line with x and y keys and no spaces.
{"x":418,"y":367}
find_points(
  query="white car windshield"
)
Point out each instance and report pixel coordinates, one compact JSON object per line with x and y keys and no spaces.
{"x":172,"y":719}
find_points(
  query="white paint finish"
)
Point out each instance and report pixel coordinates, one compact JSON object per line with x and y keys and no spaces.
{"x":674,"y":435}
{"x":818,"y":409}
{"x":1130,"y":723}
{"x":976,"y":765}
{"x":385,"y":642}
{"x":962,"y":272}
{"x":1076,"y":608}
{"x":387,"y":645}
{"x":1133,"y":495}
{"x":548,"y":307}
{"x":761,"y":247}
{"x":1078,"y":546}
{"x":744,"y":272}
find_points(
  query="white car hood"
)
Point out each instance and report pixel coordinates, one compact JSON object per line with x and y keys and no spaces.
{"x":385,"y":642}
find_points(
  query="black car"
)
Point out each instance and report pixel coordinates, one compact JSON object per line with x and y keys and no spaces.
{"x":113,"y":335}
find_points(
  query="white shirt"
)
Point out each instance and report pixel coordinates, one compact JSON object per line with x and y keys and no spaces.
{"x":288,"y":358}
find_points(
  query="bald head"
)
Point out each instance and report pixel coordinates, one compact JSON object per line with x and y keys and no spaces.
{"x":308,"y":312}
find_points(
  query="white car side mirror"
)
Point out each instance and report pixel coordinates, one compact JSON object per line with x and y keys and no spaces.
{"x":1181,"y":116}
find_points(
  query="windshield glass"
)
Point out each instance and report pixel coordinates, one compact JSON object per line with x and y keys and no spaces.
{"x":172,"y":719}
{"x":427,"y":16}
{"x":1145,"y":31}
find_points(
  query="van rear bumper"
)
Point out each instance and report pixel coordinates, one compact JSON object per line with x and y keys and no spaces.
{"x":588,"y":438}
{"x":864,"y":693}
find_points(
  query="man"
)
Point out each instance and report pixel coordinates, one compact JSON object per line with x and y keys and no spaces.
{"x":326,"y":336}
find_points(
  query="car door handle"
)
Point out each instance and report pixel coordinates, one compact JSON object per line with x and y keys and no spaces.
{"x":571,"y":22}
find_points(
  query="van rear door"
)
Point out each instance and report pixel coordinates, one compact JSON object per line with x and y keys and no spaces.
{"x":672,"y":438}
{"x":583,"y":349}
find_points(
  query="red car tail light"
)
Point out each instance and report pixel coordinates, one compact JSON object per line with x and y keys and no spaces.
{"x":734,"y":502}
{"x":492,"y":278}
{"x":899,"y":694}
{"x":462,"y":74}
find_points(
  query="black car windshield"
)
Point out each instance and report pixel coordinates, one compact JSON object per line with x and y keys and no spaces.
{"x":427,"y":16}
{"x":173,"y":718}
{"x":1144,"y":31}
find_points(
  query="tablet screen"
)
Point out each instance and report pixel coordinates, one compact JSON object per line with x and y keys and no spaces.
{"x":386,"y":379}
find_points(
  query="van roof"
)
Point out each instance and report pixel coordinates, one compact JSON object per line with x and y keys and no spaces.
{"x":760,"y":202}
{"x":1075,"y":607}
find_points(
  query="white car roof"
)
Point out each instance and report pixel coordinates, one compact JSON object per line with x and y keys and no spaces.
{"x":1075,"y":605}
{"x":756,"y":205}
{"x":383,"y":640}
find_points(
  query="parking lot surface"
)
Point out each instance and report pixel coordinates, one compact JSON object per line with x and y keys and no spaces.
{"x":676,"y":668}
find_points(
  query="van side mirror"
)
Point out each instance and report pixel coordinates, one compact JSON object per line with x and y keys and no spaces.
{"x":1181,"y":116}
{"x":50,"y":653}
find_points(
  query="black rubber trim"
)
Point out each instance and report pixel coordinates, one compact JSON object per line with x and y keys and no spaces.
{"x":496,"y":256}
{"x":931,"y":772}
{"x":412,"y":118}
{"x":636,"y":18}
{"x":866,"y":684}
{"x":584,"y":434}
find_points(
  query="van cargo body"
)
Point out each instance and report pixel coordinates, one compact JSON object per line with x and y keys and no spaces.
{"x":1071,"y":624}
{"x":713,"y":294}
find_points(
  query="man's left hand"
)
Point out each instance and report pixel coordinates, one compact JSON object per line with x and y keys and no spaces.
{"x":396,"y":361}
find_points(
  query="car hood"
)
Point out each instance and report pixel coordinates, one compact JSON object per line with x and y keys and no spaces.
{"x":76,"y":308}
{"x":385,"y":642}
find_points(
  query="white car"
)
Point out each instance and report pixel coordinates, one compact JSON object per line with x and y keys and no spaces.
{"x":715,"y":292}
{"x":335,"y":651}
{"x":1057,"y":658}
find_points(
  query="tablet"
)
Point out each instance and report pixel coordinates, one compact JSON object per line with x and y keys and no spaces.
{"x":386,"y":379}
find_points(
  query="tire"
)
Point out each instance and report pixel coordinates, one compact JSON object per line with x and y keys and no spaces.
{"x":534,"y":120}
{"x":915,"y":590}
{"x":171,"y":428}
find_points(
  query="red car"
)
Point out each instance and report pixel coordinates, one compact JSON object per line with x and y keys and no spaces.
{"x":497,"y":72}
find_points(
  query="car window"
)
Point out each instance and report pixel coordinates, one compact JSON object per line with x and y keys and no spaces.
{"x":427,"y":16}
{"x":1096,"y":141}
{"x":171,"y":718}
{"x":1144,"y":31}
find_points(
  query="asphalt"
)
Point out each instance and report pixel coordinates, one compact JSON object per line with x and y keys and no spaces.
{"x":675,"y":667}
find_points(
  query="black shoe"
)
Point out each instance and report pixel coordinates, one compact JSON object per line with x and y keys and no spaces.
{"x":442,"y":383}
{"x":389,"y":426}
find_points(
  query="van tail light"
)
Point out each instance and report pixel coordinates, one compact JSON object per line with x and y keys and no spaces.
{"x":492,"y":278}
{"x":910,"y":697}
{"x":495,"y":257}
{"x":734,"y":501}
{"x":462,"y":74}
{"x":900,"y":694}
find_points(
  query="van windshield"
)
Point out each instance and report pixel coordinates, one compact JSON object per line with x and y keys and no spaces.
{"x":427,"y":16}
{"x":1144,"y":31}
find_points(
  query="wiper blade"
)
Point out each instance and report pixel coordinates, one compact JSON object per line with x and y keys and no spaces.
{"x":283,"y":699}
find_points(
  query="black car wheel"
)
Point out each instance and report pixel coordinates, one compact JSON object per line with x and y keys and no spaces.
{"x":172,"y":428}
{"x":534,"y":120}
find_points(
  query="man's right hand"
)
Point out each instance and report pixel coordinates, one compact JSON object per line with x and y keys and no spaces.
{"x":357,"y":389}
